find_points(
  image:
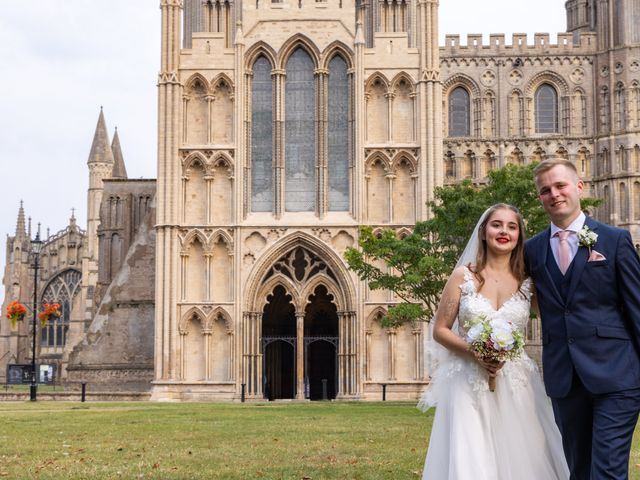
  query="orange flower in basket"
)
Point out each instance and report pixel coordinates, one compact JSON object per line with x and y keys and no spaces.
{"x":16,"y":312}
{"x":49,"y":310}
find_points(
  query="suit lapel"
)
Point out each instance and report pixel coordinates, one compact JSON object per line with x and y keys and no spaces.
{"x":580,"y":261}
{"x":544,"y":251}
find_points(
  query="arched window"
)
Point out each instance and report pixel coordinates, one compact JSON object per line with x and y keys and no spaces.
{"x":300,"y":135}
{"x":449,"y":166}
{"x":546,"y":105}
{"x":338,"y":135}
{"x":620,"y":107}
{"x":261,"y":137}
{"x":62,"y":290}
{"x":459,"y":113}
{"x":604,"y":108}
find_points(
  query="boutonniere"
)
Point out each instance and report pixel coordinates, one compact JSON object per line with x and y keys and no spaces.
{"x":587,"y":238}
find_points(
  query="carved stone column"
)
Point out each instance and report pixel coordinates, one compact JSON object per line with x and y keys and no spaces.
{"x":391,"y":338}
{"x":251,"y":357}
{"x":300,"y":355}
{"x":367,"y":354}
{"x":208,"y":182}
{"x":232,"y":355}
{"x":347,"y":361}
{"x":207,"y":334}
{"x":418,"y":347}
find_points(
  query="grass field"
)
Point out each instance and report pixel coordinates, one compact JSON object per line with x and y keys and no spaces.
{"x":141,"y":440}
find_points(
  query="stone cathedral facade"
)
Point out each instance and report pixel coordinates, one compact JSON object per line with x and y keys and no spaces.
{"x":285,"y":125}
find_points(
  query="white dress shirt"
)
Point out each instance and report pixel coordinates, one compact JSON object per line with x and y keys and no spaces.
{"x":572,"y":240}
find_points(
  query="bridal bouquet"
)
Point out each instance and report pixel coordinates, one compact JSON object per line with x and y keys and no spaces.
{"x":494,"y":340}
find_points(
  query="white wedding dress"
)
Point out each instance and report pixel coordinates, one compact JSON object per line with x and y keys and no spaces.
{"x":509,"y":434}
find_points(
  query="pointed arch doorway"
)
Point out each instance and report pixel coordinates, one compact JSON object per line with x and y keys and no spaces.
{"x":313,"y":374}
{"x":321,"y":346}
{"x":300,"y":322}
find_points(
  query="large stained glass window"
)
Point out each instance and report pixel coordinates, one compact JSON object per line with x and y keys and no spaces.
{"x":300,"y":141}
{"x":459,"y":113}
{"x":261,"y":137}
{"x":546,"y":109}
{"x":62,"y":289}
{"x":338,"y":133}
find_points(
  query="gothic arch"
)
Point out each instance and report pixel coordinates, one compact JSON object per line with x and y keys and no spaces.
{"x":195,"y":79}
{"x":344,"y":297}
{"x":267,"y":288}
{"x":373,"y":78}
{"x":399,"y":78}
{"x":68,"y":281}
{"x":404,"y":157}
{"x":223,"y":235}
{"x":375,"y":315}
{"x":290,"y":46}
{"x":222,"y":78}
{"x":309,"y":289}
{"x":336,"y":48}
{"x":460,"y":79}
{"x":191,"y":314}
{"x":403,"y":233}
{"x":190,"y":237}
{"x":257,"y":50}
{"x":219,"y":313}
{"x":552,"y":78}
{"x":378,"y":157}
{"x":223,"y":159}
{"x":193,"y":158}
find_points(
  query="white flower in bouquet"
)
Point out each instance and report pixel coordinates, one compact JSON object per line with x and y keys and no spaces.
{"x":474,"y":333}
{"x":494,"y":340}
{"x":502,"y":335}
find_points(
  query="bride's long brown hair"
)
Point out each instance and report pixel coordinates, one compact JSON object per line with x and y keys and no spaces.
{"x":516,"y":262}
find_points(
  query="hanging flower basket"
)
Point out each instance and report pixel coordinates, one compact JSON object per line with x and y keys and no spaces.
{"x":16,"y":312}
{"x":49,"y":310}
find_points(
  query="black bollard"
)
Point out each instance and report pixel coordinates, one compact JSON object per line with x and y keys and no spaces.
{"x":324,"y":389}
{"x":84,"y":392}
{"x":242,"y":393}
{"x":384,"y":392}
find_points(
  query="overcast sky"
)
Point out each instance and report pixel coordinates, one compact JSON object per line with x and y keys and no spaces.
{"x":61,"y":60}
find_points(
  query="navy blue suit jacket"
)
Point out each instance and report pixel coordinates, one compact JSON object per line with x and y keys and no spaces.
{"x":596,"y":328}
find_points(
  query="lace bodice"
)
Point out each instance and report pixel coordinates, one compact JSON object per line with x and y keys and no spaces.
{"x":515,"y":374}
{"x":473,"y":304}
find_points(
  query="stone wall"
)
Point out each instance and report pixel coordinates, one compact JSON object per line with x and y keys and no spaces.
{"x":117,"y":351}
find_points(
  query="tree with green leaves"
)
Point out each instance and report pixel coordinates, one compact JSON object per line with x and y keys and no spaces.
{"x":417,"y":266}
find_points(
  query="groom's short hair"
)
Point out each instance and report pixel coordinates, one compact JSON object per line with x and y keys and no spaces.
{"x":549,"y":163}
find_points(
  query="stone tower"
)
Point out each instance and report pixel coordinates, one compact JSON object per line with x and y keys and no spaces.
{"x":617,"y":94}
{"x":283,"y":127}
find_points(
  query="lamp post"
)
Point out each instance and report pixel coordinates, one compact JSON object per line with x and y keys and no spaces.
{"x":36,"y":247}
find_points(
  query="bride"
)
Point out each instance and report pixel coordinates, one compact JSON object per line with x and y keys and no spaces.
{"x":478,"y":434}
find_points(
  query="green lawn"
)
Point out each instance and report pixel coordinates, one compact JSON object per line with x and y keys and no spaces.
{"x":337,"y":440}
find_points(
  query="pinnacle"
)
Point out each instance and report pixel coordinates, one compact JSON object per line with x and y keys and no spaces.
{"x":119,"y":168}
{"x":20,"y":225}
{"x":100,"y":148}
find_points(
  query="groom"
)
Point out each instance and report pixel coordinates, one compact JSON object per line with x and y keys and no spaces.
{"x":588,"y":292}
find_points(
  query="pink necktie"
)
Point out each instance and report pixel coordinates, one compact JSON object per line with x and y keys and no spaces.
{"x":563,"y":250}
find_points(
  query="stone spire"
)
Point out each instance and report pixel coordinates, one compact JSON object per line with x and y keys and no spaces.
{"x":100,"y":148}
{"x":21,"y":230}
{"x":119,"y":168}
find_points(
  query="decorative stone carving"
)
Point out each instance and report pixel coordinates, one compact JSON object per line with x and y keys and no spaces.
{"x":577,"y":76}
{"x":255,"y":242}
{"x":488,"y":78}
{"x":342,"y":241}
{"x":515,"y":77}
